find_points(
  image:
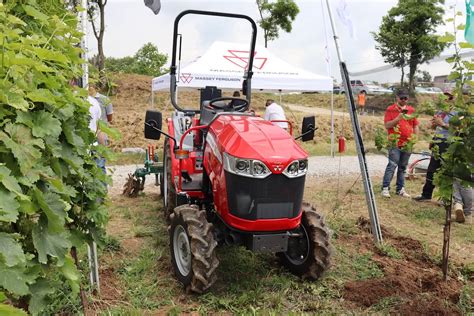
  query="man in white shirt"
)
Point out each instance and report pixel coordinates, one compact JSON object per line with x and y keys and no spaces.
{"x":275,"y":112}
{"x":95,"y":112}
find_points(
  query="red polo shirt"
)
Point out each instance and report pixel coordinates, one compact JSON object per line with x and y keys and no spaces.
{"x":404,"y":128}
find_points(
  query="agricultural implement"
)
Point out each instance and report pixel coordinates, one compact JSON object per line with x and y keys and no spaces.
{"x":136,"y":181}
{"x":230,"y":177}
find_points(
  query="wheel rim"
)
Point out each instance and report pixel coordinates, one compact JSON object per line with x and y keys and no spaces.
{"x":299,"y":255}
{"x":165,"y":180}
{"x":182,"y":250}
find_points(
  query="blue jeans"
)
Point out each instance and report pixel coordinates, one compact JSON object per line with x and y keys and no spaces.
{"x":397,"y":158}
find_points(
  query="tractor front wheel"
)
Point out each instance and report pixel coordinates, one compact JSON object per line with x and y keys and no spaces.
{"x":168,"y":190}
{"x":193,"y":248}
{"x":308,"y":254}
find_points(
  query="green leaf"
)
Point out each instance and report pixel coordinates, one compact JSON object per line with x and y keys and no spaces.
{"x":11,"y":251}
{"x":46,"y":125}
{"x":8,"y":206}
{"x":461,"y":27}
{"x":447,"y":38}
{"x":14,"y":280}
{"x":112,"y":132}
{"x":465,"y":45}
{"x":50,"y":55}
{"x":54,"y":208}
{"x":8,"y":310}
{"x":71,"y":273}
{"x":41,"y":95}
{"x":39,"y":291}
{"x":23,"y":146}
{"x":31,"y":11}
{"x":46,"y":243}
{"x":9,"y":182}
{"x":14,"y":99}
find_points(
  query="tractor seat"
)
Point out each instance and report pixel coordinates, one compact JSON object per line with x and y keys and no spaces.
{"x":208,"y":114}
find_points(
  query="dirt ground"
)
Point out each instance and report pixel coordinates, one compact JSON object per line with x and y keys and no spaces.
{"x":411,"y":283}
{"x":409,"y":279}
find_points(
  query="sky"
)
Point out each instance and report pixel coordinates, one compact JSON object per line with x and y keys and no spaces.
{"x":129,"y":25}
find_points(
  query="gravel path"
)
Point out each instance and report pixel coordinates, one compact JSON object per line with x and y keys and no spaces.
{"x":320,"y":166}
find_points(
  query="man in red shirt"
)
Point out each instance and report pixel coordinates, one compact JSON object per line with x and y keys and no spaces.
{"x":401,"y":125}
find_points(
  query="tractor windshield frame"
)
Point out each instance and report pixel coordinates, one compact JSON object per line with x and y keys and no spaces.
{"x":173,"y":68}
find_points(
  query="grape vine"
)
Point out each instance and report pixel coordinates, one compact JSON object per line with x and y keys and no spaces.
{"x":51,"y":191}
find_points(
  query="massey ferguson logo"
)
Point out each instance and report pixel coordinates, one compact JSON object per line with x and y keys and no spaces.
{"x":186,"y":78}
{"x":277,"y":167}
{"x":241,"y":59}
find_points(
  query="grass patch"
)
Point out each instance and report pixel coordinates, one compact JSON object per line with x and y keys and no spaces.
{"x":120,"y":158}
{"x":389,"y":250}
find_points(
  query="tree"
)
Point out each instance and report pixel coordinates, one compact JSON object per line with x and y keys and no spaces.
{"x":407,"y":35}
{"x":96,"y":9}
{"x":423,"y":76}
{"x":275,"y":16}
{"x":149,"y":61}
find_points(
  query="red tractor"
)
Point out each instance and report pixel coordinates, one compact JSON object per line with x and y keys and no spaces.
{"x":231,"y":177}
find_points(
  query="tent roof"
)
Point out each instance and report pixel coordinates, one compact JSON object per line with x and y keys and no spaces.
{"x":223,"y":65}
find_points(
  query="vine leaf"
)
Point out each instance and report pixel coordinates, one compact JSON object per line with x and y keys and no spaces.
{"x":39,"y":290}
{"x":54,"y":208}
{"x":23,"y":146}
{"x":69,"y":270}
{"x":46,"y":243}
{"x":8,"y":310}
{"x":31,"y":11}
{"x":11,"y":251}
{"x":14,"y":280}
{"x":8,"y":206}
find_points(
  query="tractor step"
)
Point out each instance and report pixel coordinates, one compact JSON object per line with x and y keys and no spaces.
{"x":195,"y":184}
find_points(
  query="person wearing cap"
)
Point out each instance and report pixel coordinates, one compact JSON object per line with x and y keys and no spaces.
{"x":401,"y":125}
{"x":439,"y":144}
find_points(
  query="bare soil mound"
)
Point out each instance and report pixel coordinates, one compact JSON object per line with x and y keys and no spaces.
{"x":414,"y":282}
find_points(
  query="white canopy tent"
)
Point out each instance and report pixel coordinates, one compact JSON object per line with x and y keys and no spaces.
{"x":223,"y":65}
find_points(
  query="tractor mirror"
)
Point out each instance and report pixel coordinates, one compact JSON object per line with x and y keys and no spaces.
{"x":244,"y":87}
{"x":152,"y":124}
{"x":308,"y":128}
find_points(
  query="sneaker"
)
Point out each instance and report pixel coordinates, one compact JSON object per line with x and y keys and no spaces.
{"x":459,"y":213}
{"x":421,"y":198}
{"x":403,"y":193}
{"x":385,"y":192}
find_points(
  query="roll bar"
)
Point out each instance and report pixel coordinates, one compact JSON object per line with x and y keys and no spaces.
{"x":248,"y":74}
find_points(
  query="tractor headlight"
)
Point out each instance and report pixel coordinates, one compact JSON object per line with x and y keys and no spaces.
{"x":245,"y":167}
{"x":296,"y":168}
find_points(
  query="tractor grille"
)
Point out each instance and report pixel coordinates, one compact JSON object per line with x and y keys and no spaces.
{"x":276,"y":196}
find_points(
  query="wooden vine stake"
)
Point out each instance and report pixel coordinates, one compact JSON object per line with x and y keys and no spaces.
{"x":446,"y":236}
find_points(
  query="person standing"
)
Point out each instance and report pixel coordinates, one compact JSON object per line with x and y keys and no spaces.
{"x":440,"y":122}
{"x":361,"y":102}
{"x":274,"y":112}
{"x":105,"y":104}
{"x":401,"y":125}
{"x":463,"y":202}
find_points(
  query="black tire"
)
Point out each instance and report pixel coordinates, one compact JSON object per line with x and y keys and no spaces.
{"x":168,"y":191}
{"x":193,"y":248}
{"x":309,"y":256}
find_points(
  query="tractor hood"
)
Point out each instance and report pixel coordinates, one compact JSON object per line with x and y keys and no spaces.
{"x":252,"y":137}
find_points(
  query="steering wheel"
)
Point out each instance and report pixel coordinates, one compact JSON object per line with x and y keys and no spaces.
{"x":235,"y":104}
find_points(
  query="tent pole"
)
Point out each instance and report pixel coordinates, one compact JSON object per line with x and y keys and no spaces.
{"x":332,"y":124}
{"x":369,"y":192}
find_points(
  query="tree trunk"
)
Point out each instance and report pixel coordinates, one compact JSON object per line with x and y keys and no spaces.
{"x":265,"y":35}
{"x":411,"y":76}
{"x":100,"y":45}
{"x":403,"y":77}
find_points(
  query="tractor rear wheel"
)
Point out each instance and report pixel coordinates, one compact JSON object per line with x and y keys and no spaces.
{"x":169,"y":192}
{"x":193,"y":248}
{"x":309,"y":254}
